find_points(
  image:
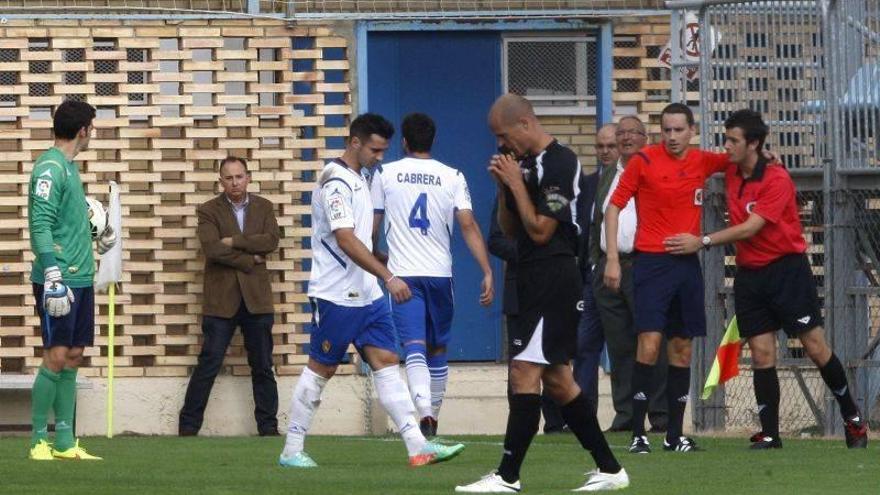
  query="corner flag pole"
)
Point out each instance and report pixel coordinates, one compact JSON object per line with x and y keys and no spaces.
{"x":111,"y":331}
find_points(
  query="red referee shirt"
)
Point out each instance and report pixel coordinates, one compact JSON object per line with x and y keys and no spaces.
{"x":668,"y":192}
{"x":770,"y":193}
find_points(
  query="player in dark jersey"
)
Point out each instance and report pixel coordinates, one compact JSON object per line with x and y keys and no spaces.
{"x":537,"y":206}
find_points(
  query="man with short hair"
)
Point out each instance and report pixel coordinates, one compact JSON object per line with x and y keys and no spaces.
{"x":667,"y":183}
{"x":591,"y":338}
{"x":616,"y":308}
{"x":774,"y":286}
{"x":418,"y":199}
{"x":62,"y":276}
{"x":237,"y":230}
{"x":348,"y":306}
{"x":538,"y":182}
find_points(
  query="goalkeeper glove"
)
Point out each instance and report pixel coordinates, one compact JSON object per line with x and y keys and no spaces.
{"x":57,"y":297}
{"x":106,"y":240}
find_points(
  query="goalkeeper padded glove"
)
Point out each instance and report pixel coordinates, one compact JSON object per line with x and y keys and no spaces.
{"x":106,"y":240}
{"x":57,"y":297}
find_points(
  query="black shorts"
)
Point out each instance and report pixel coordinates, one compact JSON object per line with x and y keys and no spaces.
{"x":545,"y":329}
{"x":779,"y":295}
{"x":75,"y":329}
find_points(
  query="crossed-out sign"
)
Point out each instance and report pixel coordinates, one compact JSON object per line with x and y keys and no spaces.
{"x":691,"y":44}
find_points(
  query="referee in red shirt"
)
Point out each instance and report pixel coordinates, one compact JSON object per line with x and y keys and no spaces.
{"x":774,"y":286}
{"x":667,"y":182}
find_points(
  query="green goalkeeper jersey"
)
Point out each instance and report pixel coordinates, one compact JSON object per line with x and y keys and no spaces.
{"x":58,"y":221}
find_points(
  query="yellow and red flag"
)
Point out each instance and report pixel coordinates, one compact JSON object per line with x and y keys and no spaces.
{"x":726,"y":365}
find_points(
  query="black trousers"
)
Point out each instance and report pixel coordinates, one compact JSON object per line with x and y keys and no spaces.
{"x":257,"y":331}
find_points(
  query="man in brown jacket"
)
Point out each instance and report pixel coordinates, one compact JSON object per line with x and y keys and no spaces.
{"x":237,"y":230}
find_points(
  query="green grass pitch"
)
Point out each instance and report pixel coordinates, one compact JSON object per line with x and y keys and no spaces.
{"x":371,"y":465}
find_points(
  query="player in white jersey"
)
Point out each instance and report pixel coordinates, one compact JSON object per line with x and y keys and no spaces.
{"x":347,"y":303}
{"x":419,"y":199}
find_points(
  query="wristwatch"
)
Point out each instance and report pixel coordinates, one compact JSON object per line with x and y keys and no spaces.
{"x":707,"y":242}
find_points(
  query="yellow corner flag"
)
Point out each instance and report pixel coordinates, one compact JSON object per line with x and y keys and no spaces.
{"x":726,"y":365}
{"x":110,"y":274}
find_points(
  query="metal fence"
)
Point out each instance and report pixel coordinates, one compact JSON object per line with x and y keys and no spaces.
{"x":811,"y":68}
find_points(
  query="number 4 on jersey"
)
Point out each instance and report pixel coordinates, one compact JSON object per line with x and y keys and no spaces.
{"x":418,"y":216}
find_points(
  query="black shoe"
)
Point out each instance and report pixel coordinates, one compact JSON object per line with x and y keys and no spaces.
{"x":428,"y":425}
{"x":856,"y":431}
{"x":765,"y":442}
{"x":618,"y":428}
{"x":640,"y":445}
{"x":186,"y":432}
{"x":684,"y":444}
{"x":555,"y":430}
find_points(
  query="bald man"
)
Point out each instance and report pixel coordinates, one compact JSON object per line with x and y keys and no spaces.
{"x":538,"y":186}
{"x":616,"y":308}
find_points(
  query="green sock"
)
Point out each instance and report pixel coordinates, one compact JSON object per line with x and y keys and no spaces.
{"x":42,"y":397}
{"x":65,"y":401}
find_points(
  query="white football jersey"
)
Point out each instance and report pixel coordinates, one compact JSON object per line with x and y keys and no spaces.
{"x":341,"y":200}
{"x":419,"y":198}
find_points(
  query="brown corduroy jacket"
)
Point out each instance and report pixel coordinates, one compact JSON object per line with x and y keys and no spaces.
{"x":231,"y":273}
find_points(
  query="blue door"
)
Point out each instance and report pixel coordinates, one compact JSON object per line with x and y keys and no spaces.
{"x":454,"y":77}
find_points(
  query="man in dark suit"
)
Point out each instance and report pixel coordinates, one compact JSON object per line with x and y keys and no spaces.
{"x":591,"y":338}
{"x":237,"y":231}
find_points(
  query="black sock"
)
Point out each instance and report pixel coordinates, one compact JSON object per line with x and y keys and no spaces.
{"x":579,"y":416}
{"x":835,"y":377}
{"x":643,"y":377}
{"x":522,"y":425}
{"x":767,"y":396}
{"x":678,"y":384}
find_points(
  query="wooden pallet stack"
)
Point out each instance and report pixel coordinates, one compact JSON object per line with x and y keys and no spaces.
{"x":173,"y":98}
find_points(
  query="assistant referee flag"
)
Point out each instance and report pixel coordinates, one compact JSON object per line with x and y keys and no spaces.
{"x":726,"y":365}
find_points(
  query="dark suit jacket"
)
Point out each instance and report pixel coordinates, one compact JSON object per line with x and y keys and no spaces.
{"x":231,"y":274}
{"x":587,"y":197}
{"x":504,"y":248}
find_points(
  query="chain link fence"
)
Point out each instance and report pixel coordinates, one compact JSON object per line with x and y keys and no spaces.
{"x":811,"y":68}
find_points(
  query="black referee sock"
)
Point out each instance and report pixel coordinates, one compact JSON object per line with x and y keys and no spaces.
{"x":580,"y":418}
{"x":835,"y":377}
{"x":767,"y":396}
{"x":678,"y":384}
{"x":643,"y":377}
{"x":522,"y":425}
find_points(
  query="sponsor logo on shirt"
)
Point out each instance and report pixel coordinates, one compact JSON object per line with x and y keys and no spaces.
{"x":554,"y":199}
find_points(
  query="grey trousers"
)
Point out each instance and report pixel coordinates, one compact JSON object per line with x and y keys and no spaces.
{"x":617,"y":312}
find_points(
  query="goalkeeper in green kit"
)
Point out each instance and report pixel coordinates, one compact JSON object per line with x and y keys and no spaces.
{"x":62,"y":226}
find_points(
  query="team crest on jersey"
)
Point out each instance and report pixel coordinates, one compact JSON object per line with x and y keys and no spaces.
{"x":698,"y":197}
{"x":44,"y":188}
{"x":554,"y":199}
{"x":325,"y":346}
{"x":336,"y":207}
{"x":750,"y":207}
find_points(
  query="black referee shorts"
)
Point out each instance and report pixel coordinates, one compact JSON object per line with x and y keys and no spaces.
{"x":779,"y":295}
{"x":544,"y":331}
